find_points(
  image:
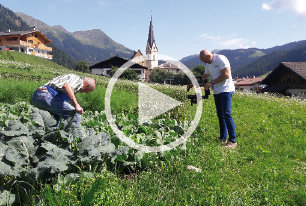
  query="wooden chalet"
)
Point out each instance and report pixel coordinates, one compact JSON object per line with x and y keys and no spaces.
{"x":289,"y":79}
{"x":30,"y":42}
{"x":103,"y":68}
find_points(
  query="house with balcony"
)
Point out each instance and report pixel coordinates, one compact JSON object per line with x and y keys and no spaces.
{"x":30,"y":42}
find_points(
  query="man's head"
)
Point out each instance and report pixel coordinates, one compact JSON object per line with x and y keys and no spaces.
{"x":206,"y":56}
{"x":88,"y":85}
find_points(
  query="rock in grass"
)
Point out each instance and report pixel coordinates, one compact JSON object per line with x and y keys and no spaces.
{"x":190,"y":167}
{"x":7,"y":198}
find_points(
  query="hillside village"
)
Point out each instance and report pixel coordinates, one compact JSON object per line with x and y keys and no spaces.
{"x":291,"y":82}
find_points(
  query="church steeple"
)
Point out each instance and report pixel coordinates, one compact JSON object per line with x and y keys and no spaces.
{"x":151,"y":38}
{"x":151,"y":49}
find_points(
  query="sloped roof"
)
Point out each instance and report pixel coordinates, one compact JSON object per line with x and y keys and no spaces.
{"x":297,"y":67}
{"x":136,"y":54}
{"x":151,"y":38}
{"x":115,"y":61}
{"x":248,"y":81}
{"x":13,"y":33}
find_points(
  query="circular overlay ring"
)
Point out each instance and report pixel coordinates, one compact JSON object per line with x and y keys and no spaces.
{"x":130,"y":142}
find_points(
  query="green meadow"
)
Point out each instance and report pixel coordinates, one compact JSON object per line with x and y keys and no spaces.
{"x":267,"y":168}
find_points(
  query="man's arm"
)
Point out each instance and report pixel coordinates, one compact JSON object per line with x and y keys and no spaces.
{"x":205,"y":76}
{"x":68,"y":90}
{"x":225,"y":74}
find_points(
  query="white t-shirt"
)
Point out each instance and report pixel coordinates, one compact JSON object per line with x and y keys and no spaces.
{"x":218,"y":63}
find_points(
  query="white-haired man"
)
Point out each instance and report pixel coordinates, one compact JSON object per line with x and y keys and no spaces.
{"x":218,"y":68}
{"x":55,"y":94}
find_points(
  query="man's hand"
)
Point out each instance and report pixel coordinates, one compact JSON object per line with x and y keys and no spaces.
{"x":79,"y":109}
{"x":68,"y":90}
{"x":189,"y":86}
{"x":208,"y":85}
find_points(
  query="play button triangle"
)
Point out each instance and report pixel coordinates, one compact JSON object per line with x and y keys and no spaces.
{"x":152,"y":103}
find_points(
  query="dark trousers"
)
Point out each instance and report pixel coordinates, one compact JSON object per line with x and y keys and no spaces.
{"x":55,"y":105}
{"x":223,"y":103}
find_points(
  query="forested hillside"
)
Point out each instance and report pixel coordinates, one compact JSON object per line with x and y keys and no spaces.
{"x":92,"y":46}
{"x":269,"y":62}
{"x":253,"y":61}
{"x":9,"y":20}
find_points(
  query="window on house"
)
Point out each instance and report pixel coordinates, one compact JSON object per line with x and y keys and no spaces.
{"x":138,"y":71}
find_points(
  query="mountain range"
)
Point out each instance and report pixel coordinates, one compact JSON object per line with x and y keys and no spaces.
{"x":256,"y":62}
{"x":68,"y":48}
{"x":91,"y":46}
{"x":94,"y":45}
{"x":8,"y":20}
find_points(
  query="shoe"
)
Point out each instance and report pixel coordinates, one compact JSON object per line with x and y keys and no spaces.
{"x":222,"y":141}
{"x":231,"y":145}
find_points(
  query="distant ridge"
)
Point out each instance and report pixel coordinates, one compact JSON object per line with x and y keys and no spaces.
{"x":267,"y":63}
{"x":254,"y":61}
{"x":9,"y":20}
{"x":91,"y":46}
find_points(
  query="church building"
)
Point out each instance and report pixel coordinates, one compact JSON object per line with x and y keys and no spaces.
{"x":151,"y":49}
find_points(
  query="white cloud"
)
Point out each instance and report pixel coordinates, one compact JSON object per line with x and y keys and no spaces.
{"x":237,"y":43}
{"x":207,"y":36}
{"x":266,"y":7}
{"x":297,"y":6}
{"x":228,"y":42}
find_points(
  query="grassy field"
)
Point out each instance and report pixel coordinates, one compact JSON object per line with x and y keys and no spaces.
{"x":267,"y":168}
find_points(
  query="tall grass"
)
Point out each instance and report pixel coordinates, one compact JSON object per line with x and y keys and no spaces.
{"x":12,"y":91}
{"x":28,"y":59}
{"x":267,"y":168}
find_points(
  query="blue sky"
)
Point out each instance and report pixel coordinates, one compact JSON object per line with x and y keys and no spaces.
{"x":181,"y":27}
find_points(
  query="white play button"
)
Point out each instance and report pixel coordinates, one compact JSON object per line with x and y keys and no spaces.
{"x":152,"y":103}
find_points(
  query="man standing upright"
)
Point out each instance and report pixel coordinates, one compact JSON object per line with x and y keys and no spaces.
{"x":218,"y":68}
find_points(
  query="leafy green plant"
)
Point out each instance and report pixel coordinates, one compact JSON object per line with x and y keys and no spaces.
{"x":32,"y":148}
